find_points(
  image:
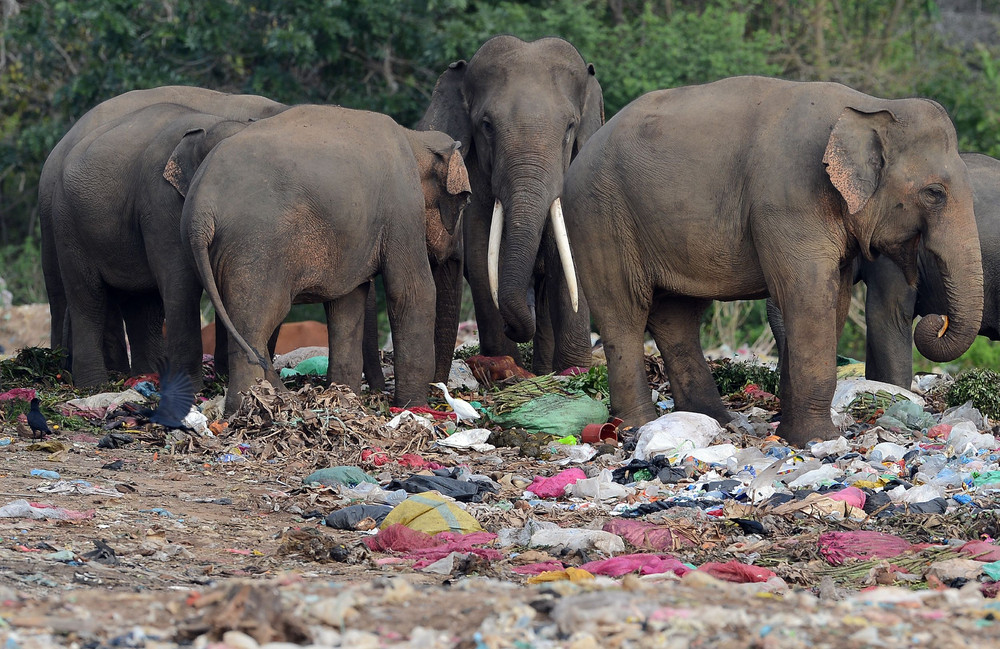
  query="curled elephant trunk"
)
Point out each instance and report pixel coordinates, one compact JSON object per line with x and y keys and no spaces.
{"x":943,"y":338}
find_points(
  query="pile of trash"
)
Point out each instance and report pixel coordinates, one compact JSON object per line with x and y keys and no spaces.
{"x":538,"y":487}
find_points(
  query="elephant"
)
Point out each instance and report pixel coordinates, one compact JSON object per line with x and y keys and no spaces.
{"x":752,"y":186}
{"x":308,"y":206}
{"x":235,"y":107}
{"x":116,"y":226}
{"x":891,"y":303}
{"x":522,"y":110}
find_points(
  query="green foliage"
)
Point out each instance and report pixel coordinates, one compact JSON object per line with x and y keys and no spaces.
{"x":34,"y":367}
{"x":22,"y":270}
{"x":465,"y":352}
{"x":981,"y":387}
{"x":593,"y":383}
{"x":732,"y":376}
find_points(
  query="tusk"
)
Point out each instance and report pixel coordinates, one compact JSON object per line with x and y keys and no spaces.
{"x":493,"y":252}
{"x":944,"y":326}
{"x":565,"y":255}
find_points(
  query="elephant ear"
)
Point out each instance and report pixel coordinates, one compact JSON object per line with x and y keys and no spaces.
{"x":458,"y":188}
{"x":592,"y":116}
{"x":448,"y":111}
{"x":184,"y":160}
{"x":855,"y":154}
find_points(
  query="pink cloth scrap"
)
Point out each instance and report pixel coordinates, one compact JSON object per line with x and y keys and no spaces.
{"x":555,"y":486}
{"x":538,"y":568}
{"x":25,"y":394}
{"x":644,"y":564}
{"x":737,"y":572}
{"x":645,"y":535}
{"x":981,"y":551}
{"x":850,"y":495}
{"x":836,"y":547}
{"x":399,"y":538}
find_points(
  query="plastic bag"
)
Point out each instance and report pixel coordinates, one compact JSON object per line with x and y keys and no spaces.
{"x":556,"y":414}
{"x":315,"y":366}
{"x":675,"y":433}
{"x":848,"y":389}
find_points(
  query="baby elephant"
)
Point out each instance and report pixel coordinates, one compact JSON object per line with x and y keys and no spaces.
{"x":308,"y":207}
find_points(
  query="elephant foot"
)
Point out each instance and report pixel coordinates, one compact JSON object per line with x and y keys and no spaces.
{"x":801,"y":433}
{"x":637,"y":415}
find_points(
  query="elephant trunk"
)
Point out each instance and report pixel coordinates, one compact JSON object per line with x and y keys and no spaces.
{"x":522,"y":216}
{"x":943,"y":338}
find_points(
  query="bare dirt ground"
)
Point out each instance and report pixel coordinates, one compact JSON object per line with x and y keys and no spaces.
{"x":192,"y":545}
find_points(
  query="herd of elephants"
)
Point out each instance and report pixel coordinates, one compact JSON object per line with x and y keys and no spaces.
{"x":744,"y":188}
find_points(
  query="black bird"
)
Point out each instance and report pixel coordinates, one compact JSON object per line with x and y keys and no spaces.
{"x":36,"y":420}
{"x":176,"y":398}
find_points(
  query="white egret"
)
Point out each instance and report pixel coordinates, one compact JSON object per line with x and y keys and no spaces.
{"x":463,"y":410}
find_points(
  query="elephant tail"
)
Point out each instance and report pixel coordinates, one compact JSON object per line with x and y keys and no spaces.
{"x":200,"y":239}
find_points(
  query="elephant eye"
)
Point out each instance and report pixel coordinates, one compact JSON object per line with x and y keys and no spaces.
{"x":569,"y":131}
{"x":933,"y":196}
{"x":487,"y":127}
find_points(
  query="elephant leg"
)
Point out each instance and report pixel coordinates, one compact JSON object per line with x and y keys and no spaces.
{"x":221,"y":355}
{"x":889,"y":307}
{"x":809,"y":355}
{"x":570,"y":329}
{"x":409,"y":293}
{"x":143,"y":316}
{"x":448,"y":287}
{"x":371,"y":360}
{"x":115,"y":345}
{"x":183,"y":323}
{"x":776,"y":322}
{"x":675,"y":323}
{"x":543,"y":344}
{"x":255,"y":316}
{"x":87,"y":304}
{"x":345,"y":318}
{"x":272,"y":342}
{"x":492,"y":340}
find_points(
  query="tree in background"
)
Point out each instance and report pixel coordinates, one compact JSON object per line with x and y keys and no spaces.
{"x":58,"y":58}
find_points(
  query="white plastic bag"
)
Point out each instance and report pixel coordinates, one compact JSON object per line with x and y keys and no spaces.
{"x":675,"y":433}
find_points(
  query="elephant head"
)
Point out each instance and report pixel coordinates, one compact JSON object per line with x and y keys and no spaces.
{"x":522,"y":111}
{"x":194,"y":146}
{"x":900,"y":174}
{"x":445,"y":184}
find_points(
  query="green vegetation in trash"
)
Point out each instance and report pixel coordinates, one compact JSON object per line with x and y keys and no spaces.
{"x":519,"y":394}
{"x":532,"y":444}
{"x":34,"y":367}
{"x":593,"y":383}
{"x":858,"y":573}
{"x":463,"y":353}
{"x":732,"y":376}
{"x":869,"y":406}
{"x":981,"y":387}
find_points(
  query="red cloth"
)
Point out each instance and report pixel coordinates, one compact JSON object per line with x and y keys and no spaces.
{"x":399,"y":538}
{"x":737,"y":572}
{"x":555,"y":486}
{"x":862,"y":544}
{"x":645,"y":535}
{"x":26,"y":394}
{"x":645,"y":564}
{"x":850,"y":495}
{"x":986,"y":551}
{"x":424,"y":410}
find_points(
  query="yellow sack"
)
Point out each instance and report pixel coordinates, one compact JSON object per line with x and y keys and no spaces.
{"x":431,"y":512}
{"x":575,"y":575}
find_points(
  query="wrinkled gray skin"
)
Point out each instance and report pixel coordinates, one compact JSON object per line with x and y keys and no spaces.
{"x":308,"y":206}
{"x":793,"y":181}
{"x":522,"y":111}
{"x":891,"y":303}
{"x":116,"y":226}
{"x":141,"y":314}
